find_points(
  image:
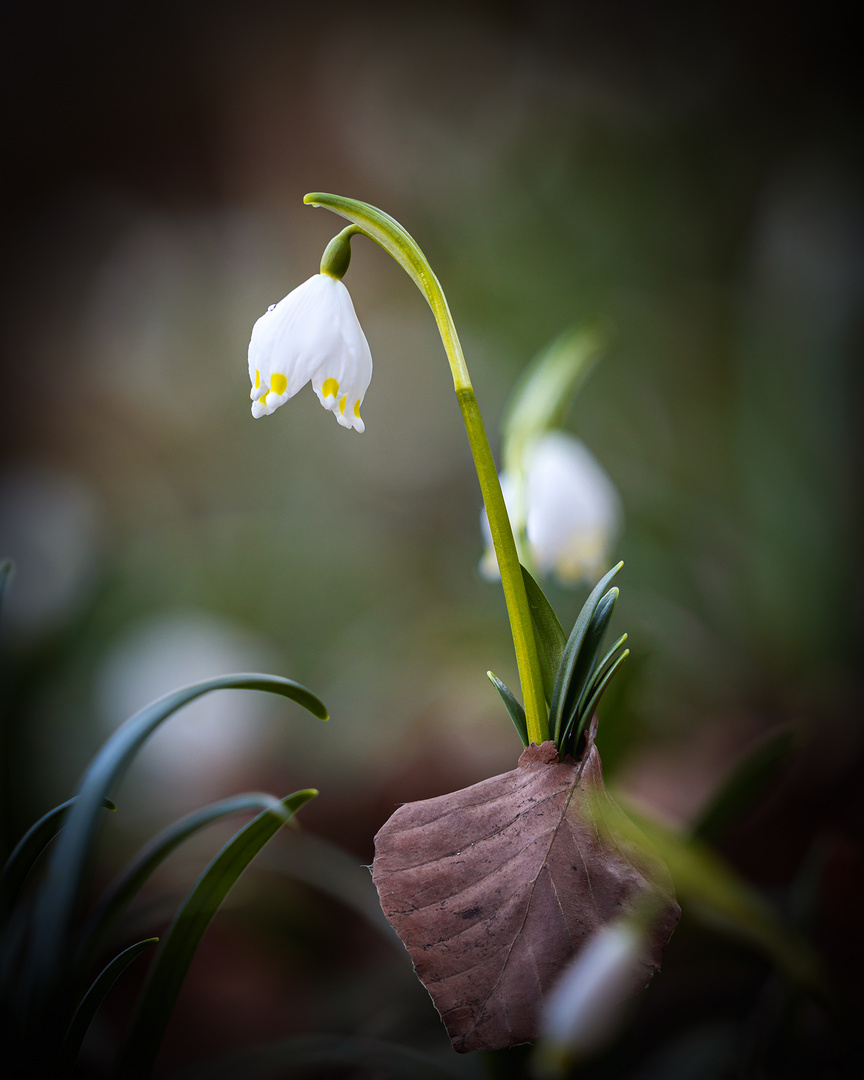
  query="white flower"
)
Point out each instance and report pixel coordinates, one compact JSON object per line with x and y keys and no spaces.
{"x":582,"y":1010}
{"x":567,"y":506}
{"x":312,"y":334}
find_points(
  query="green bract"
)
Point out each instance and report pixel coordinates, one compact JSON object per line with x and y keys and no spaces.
{"x":573,"y":679}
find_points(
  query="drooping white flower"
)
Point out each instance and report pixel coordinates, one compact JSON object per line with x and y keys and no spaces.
{"x":311,"y":334}
{"x":564,"y":504}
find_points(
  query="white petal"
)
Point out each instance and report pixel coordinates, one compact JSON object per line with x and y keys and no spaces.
{"x":312,"y":335}
{"x":574,"y":511}
{"x":582,"y":1009}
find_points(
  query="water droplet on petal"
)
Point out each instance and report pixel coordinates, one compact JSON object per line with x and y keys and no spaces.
{"x":272,"y":306}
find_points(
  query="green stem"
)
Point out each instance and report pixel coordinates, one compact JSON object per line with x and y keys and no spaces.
{"x":387,"y":232}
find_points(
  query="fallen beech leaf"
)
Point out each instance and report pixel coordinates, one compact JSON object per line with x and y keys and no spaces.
{"x":493,"y":889}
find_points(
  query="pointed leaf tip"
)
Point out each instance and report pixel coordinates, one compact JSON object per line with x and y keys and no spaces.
{"x":517,"y":713}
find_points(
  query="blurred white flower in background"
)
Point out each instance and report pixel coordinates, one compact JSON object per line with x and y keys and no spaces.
{"x":584,"y":1007}
{"x":51,"y":527}
{"x":311,"y":334}
{"x":202,"y":751}
{"x":563,"y":506}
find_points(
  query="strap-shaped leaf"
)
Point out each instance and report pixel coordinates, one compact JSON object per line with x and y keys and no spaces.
{"x":548,"y":632}
{"x":586,"y":662}
{"x":583,"y":673}
{"x":571,"y":653}
{"x":517,"y":713}
{"x":600,"y":670}
{"x":28,"y":849}
{"x":55,"y":904}
{"x":583,"y":667}
{"x":597,"y":688}
{"x":125,"y":887}
{"x":93,"y":999}
{"x":180,"y":942}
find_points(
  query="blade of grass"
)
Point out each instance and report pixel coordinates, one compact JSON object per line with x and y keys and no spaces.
{"x":180,"y":942}
{"x":93,"y":999}
{"x":57,"y":899}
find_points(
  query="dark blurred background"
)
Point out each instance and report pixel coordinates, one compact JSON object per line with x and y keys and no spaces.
{"x":692,"y":173}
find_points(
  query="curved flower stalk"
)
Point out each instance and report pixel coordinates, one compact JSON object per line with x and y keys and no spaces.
{"x":312,"y":335}
{"x":564,"y":509}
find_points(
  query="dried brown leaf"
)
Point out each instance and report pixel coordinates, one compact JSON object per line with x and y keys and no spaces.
{"x":494,"y":888}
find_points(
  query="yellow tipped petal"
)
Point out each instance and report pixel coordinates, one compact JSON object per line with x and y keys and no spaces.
{"x":257,"y":378}
{"x":330,"y":388}
{"x":343,"y":403}
{"x":278,"y":383}
{"x":357,"y":408}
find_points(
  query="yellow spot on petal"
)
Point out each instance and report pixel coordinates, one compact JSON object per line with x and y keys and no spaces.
{"x":343,"y":403}
{"x":278,"y":383}
{"x":263,"y":399}
{"x":357,"y":408}
{"x":257,"y":378}
{"x":330,"y":388}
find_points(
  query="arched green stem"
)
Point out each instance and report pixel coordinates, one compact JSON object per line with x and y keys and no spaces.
{"x":387,"y":232}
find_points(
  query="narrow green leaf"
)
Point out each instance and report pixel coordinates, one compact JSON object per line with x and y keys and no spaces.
{"x":93,"y":999}
{"x":591,"y":644}
{"x":178,"y":947}
{"x":571,"y":653}
{"x":120,"y":893}
{"x":583,"y":666}
{"x":597,"y":690}
{"x":600,"y":670}
{"x":548,"y":631}
{"x":750,"y":778}
{"x":517,"y":713}
{"x":57,"y":899}
{"x":583,"y":672}
{"x":27,"y":851}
